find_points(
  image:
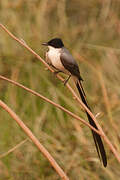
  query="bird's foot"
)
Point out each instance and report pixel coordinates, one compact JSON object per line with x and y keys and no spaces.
{"x":66,"y":80}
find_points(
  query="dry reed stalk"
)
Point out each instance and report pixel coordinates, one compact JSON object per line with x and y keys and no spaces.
{"x":70,"y":88}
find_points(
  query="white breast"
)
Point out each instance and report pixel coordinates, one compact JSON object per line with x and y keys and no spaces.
{"x":54,"y":56}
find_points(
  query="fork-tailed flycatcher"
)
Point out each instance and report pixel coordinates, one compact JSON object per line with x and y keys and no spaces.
{"x":61,"y":59}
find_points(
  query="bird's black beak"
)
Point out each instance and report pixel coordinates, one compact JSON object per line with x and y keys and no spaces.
{"x":45,"y":44}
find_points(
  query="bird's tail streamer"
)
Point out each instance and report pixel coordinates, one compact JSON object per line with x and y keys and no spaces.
{"x":97,"y":139}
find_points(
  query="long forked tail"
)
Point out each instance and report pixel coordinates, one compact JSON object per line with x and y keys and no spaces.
{"x":97,"y":139}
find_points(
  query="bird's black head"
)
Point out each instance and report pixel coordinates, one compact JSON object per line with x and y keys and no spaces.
{"x":56,"y":43}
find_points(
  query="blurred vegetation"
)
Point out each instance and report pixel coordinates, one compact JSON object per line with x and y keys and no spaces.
{"x":91,"y":30}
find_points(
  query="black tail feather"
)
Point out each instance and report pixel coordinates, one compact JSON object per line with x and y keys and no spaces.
{"x":97,"y":139}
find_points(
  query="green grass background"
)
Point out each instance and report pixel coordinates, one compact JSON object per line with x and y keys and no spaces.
{"x":91,"y":31}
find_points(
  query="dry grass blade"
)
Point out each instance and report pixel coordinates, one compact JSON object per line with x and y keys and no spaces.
{"x":14,"y":148}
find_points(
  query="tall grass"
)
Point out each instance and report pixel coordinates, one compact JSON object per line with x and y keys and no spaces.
{"x":90,"y":29}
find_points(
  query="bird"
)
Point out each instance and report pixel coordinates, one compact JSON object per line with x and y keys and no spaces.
{"x":62,"y":60}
